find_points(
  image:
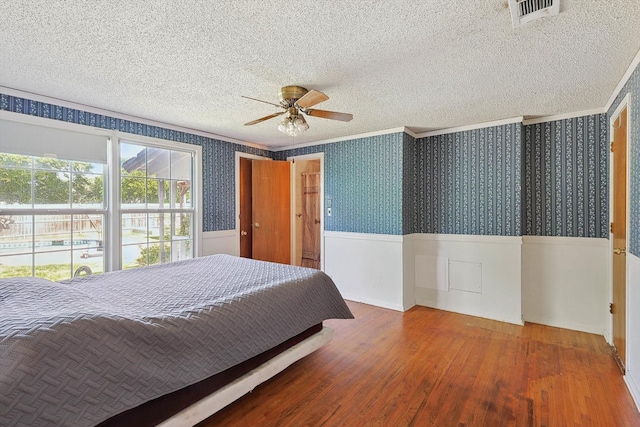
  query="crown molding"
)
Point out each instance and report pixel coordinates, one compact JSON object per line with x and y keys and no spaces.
{"x":345,"y":138}
{"x":543,"y":119}
{"x":470,"y":127}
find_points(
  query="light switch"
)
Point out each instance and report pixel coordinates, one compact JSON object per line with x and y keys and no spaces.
{"x":328,"y":211}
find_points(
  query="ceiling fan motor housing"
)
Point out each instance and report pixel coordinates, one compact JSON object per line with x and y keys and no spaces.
{"x":290,"y":94}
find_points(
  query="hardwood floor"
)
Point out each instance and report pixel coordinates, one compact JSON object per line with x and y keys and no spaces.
{"x":429,"y":367}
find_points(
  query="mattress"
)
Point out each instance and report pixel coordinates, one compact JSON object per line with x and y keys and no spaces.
{"x":80,"y":351}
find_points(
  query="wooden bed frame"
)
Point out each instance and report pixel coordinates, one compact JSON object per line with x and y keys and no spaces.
{"x":190,"y":405}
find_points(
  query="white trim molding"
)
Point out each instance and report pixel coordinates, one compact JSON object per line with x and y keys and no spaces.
{"x":344,"y":138}
{"x":364,"y":236}
{"x":543,"y":119}
{"x":470,"y":127}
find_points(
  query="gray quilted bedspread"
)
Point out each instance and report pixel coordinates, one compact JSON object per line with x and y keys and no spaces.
{"x":77,"y":352}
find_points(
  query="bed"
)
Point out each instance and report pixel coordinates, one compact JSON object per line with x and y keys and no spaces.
{"x":89,"y":350}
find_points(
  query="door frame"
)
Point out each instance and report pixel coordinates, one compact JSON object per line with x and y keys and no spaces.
{"x":314,"y":156}
{"x":626,"y":102}
{"x":237,"y":195}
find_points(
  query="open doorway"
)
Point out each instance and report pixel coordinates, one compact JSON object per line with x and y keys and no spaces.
{"x":307,"y":201}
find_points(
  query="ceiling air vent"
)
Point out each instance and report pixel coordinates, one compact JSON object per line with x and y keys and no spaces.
{"x":524,"y":11}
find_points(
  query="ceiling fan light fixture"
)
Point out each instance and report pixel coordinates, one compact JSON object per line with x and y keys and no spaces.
{"x":293,"y":125}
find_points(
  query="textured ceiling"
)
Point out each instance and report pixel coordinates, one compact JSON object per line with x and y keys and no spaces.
{"x":424,"y":65}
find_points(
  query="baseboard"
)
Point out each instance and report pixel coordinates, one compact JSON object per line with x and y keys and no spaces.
{"x":565,"y":325}
{"x":377,"y":303}
{"x":474,"y":313}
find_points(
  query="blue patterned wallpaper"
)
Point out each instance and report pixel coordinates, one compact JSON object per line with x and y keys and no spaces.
{"x":410,"y":179}
{"x":633,"y":87}
{"x":218,"y":157}
{"x":363,"y":181}
{"x":566,"y":166}
{"x":470,"y":182}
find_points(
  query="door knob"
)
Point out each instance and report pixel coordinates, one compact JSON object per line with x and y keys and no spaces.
{"x":256,"y":225}
{"x":243,"y":233}
{"x":620,"y":251}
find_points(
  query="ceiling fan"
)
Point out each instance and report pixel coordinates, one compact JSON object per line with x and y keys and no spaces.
{"x":296,"y":100}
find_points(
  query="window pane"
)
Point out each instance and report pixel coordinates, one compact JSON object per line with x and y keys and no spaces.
{"x":182,"y":191}
{"x":181,"y":249}
{"x":51,"y":164}
{"x":89,"y":261}
{"x":181,"y":166}
{"x":159,"y":253}
{"x":97,"y":168}
{"x":14,"y":265}
{"x":133,"y":159}
{"x":134,"y":256}
{"x":134,"y":228}
{"x":133,"y":192}
{"x":87,"y":190}
{"x":15,"y":188}
{"x":15,"y":233}
{"x":51,"y":188}
{"x":52,"y":232}
{"x":159,"y":227}
{"x":18,"y":160}
{"x":182,"y":224}
{"x":158,"y":163}
{"x":158,"y":195}
{"x":53,"y":265}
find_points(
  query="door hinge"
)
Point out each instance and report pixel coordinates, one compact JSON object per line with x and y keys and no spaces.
{"x":611,"y":308}
{"x":611,"y":227}
{"x":612,"y":147}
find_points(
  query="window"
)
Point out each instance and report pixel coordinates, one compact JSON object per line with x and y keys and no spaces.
{"x":58,"y":218}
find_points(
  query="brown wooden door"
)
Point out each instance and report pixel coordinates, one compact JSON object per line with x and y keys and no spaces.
{"x":246,"y":234}
{"x":311,"y":216}
{"x":619,"y":230}
{"x":271,"y":206}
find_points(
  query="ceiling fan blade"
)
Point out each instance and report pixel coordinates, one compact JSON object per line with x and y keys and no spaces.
{"x":260,"y":100}
{"x":262,"y":119}
{"x":311,"y":98}
{"x":343,"y":117}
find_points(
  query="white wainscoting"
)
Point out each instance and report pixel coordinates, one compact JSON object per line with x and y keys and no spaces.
{"x":366,"y":267}
{"x":219,"y":242}
{"x":632,"y":377}
{"x":490,"y":264}
{"x":565,"y":282}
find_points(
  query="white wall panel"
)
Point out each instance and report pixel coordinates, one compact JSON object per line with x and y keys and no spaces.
{"x":366,"y":267}
{"x":565,"y":282}
{"x":494,"y":274}
{"x":219,"y":242}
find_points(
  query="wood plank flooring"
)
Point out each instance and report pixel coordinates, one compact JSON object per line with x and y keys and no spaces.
{"x":428,"y":367}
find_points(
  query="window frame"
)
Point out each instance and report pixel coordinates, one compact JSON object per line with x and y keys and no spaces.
{"x":112,"y":176}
